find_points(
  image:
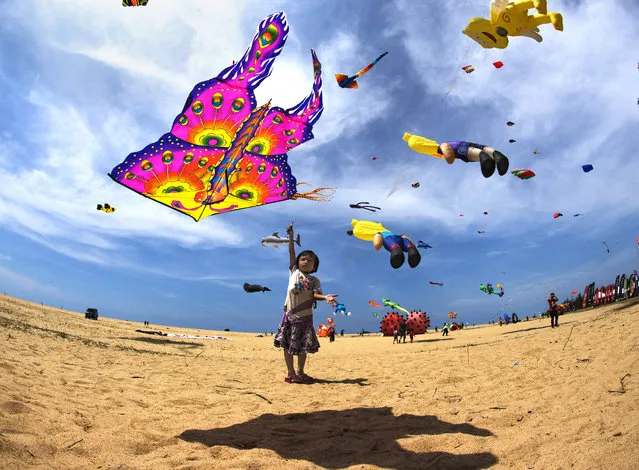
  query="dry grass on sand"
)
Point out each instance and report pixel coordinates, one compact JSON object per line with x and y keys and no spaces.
{"x":81,"y":394}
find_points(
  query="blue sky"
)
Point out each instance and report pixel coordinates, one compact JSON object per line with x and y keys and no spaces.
{"x":86,"y":83}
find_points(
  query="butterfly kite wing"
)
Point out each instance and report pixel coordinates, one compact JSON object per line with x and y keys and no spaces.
{"x":134,"y":3}
{"x":255,"y":181}
{"x":223,"y":154}
{"x":172,"y":172}
{"x":216,"y":109}
{"x":261,"y":174}
{"x":283,"y":130}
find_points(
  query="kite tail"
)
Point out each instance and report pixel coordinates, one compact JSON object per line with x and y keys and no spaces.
{"x":315,"y":195}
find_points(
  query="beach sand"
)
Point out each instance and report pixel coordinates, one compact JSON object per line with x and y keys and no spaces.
{"x":82,"y":394}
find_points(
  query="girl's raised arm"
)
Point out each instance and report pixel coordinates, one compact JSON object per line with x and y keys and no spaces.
{"x":291,"y":246}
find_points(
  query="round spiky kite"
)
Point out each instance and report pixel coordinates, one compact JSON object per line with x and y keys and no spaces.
{"x":417,"y":321}
{"x":391,"y":322}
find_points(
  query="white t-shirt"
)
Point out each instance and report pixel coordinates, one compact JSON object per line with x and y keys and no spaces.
{"x":301,"y":288}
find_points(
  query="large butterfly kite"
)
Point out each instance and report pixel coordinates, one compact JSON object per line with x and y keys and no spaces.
{"x":223,"y":153}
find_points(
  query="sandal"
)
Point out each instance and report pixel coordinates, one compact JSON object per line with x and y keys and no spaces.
{"x":305,"y":378}
{"x":294,"y":379}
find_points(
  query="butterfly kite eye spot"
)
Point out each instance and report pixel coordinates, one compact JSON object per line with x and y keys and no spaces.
{"x":274,"y":172}
{"x":217,"y":100}
{"x":238,"y":104}
{"x":130,"y":176}
{"x":146,"y":165}
{"x":211,"y":169}
{"x":277,"y":119}
{"x":269,"y":36}
{"x":261,"y":168}
{"x":183,"y":120}
{"x":197,"y":107}
{"x":289,"y":132}
{"x":200,"y":196}
{"x":251,"y":69}
{"x":188,"y":158}
{"x":202,"y":162}
{"x":249,"y":168}
{"x":167,"y":157}
{"x":294,"y":141}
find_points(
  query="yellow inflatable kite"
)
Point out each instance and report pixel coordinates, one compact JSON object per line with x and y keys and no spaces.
{"x":511,"y":19}
{"x":489,"y":159}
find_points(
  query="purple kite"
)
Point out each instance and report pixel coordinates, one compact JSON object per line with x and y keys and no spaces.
{"x":223,"y":153}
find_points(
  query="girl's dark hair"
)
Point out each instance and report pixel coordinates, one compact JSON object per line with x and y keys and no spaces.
{"x":308,"y":253}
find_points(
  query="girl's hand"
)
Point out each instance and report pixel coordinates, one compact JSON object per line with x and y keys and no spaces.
{"x":330,"y":299}
{"x":289,"y":229}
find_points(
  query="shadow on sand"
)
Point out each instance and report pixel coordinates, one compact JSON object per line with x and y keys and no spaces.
{"x":432,"y":340}
{"x":360,"y":382}
{"x":339,"y":439}
{"x":627,"y":304}
{"x":533,"y":328}
{"x":161,"y":340}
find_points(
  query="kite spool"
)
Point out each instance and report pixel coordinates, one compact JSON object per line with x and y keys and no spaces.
{"x":391,"y":322}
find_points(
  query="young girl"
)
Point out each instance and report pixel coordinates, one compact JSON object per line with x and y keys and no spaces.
{"x":296,"y":333}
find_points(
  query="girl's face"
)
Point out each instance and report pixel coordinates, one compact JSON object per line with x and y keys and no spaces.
{"x":306,"y":264}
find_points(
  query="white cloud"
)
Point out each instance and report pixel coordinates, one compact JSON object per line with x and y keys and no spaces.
{"x":568,"y":96}
{"x":15,"y":280}
{"x":497,"y":252}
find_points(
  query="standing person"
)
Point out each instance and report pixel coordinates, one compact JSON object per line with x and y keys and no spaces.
{"x":395,"y":334}
{"x":402,"y":332}
{"x":445,"y":329}
{"x":296,"y":334}
{"x":552,"y":310}
{"x":411,"y":333}
{"x":331,"y":334}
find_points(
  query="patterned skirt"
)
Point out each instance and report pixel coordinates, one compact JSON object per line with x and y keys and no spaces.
{"x":297,"y":337}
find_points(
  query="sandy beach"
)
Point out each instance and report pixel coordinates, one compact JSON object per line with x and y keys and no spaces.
{"x":79,"y":394}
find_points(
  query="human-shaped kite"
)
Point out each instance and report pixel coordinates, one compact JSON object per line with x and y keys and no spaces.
{"x":463,"y":150}
{"x":394,"y":243}
{"x":340,"y":308}
{"x":489,"y":289}
{"x":511,"y":18}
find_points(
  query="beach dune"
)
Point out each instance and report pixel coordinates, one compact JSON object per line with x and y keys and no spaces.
{"x":81,"y":394}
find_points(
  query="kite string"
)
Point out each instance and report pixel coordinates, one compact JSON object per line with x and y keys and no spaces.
{"x":410,"y":167}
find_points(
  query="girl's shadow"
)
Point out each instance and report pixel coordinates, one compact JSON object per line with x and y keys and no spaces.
{"x":338,"y":439}
{"x":360,"y":382}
